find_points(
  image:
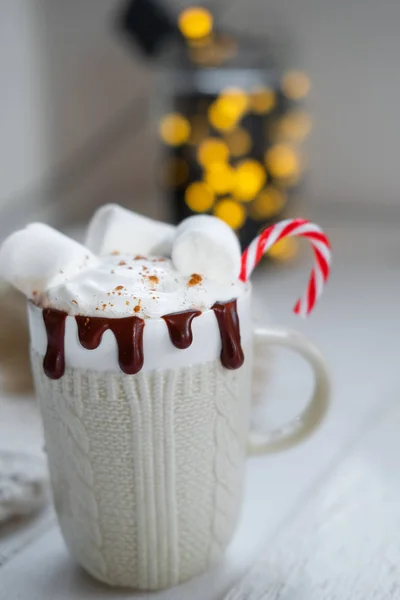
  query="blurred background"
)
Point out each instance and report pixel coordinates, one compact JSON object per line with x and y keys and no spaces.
{"x":80,"y":102}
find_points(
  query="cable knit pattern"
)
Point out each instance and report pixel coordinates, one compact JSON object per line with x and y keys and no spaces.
{"x":147,"y":470}
{"x":67,"y":445}
{"x":231,"y":432}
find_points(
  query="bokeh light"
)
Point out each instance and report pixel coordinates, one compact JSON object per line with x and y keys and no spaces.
{"x":212,"y":150}
{"x":282,"y":161}
{"x":294,"y":126}
{"x":174,"y":129}
{"x":288,"y":182}
{"x":195,"y":22}
{"x":212,"y":50}
{"x":207,"y":55}
{"x":231,"y":212}
{"x":262,"y":100}
{"x":220,"y":177}
{"x":239,"y":141}
{"x":174,"y":172}
{"x":200,"y":42}
{"x":250,"y":178}
{"x":199,"y":197}
{"x":295,"y":85}
{"x":233,"y":101}
{"x":219,"y":120}
{"x":228,"y":109}
{"x":267,"y":204}
{"x":285,"y":249}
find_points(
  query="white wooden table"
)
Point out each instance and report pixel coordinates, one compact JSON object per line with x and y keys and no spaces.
{"x":320,"y":521}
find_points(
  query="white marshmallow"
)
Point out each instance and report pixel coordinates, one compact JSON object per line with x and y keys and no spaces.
{"x":207,"y":246}
{"x":114,"y":228}
{"x":38,"y":256}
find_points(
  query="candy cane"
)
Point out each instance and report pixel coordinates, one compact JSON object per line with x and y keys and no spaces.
{"x":293,"y":228}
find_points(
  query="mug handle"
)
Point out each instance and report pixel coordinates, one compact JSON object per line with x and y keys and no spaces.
{"x":308,"y":420}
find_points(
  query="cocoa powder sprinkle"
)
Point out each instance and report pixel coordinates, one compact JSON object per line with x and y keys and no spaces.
{"x":153,"y":278}
{"x":195,"y":279}
{"x":119,"y":287}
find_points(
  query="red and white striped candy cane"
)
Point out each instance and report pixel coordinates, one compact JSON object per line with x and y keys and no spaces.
{"x":293,"y":228}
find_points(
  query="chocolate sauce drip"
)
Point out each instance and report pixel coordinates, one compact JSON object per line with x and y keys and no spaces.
{"x":128,"y":332}
{"x":232,"y":356}
{"x":180,"y":327}
{"x":54,"y":361}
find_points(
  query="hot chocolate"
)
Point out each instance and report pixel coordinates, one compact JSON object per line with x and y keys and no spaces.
{"x":122,"y":291}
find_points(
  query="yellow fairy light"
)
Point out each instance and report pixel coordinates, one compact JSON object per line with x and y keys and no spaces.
{"x":212,"y":150}
{"x":220,"y":177}
{"x":212,"y":50}
{"x":239,"y":141}
{"x":228,"y":109}
{"x":288,"y":182}
{"x":231,"y":212}
{"x":174,"y":129}
{"x":199,"y":196}
{"x":195,"y":22}
{"x":282,"y":161}
{"x":285,"y":249}
{"x":206,"y":55}
{"x":219,"y":119}
{"x":262,"y":100}
{"x":295,"y":125}
{"x":250,"y":177}
{"x":268,"y":203}
{"x":174,"y":172}
{"x":227,"y":45}
{"x":200,"y":42}
{"x":233,"y":101}
{"x":295,"y":85}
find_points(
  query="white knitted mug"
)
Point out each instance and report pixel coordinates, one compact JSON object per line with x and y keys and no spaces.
{"x":147,"y":469}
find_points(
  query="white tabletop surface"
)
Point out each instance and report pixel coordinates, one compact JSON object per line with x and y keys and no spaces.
{"x":321,"y":520}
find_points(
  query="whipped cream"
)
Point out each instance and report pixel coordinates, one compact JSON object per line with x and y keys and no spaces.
{"x":121,"y":285}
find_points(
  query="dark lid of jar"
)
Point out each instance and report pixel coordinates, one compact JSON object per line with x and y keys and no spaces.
{"x":147,"y":24}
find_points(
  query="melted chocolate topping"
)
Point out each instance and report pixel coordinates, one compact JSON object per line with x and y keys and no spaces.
{"x":232,"y":356}
{"x":54,"y":361}
{"x":180,"y":327}
{"x":128,"y":332}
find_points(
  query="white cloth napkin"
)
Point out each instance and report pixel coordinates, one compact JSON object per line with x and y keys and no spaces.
{"x":23,"y":485}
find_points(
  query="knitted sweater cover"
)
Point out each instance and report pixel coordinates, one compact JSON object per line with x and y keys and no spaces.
{"x":147,"y":470}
